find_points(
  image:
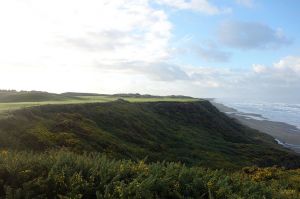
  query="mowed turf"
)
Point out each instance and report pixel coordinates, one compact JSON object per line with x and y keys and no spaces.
{"x":10,"y":106}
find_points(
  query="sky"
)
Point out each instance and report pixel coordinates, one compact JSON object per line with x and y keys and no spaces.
{"x":242,"y":49}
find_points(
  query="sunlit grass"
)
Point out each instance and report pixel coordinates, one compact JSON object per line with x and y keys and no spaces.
{"x":87,"y":99}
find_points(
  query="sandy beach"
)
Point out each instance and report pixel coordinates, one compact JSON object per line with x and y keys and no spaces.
{"x":285,"y":134}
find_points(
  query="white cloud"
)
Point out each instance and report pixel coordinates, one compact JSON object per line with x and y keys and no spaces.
{"x":203,"y":6}
{"x":58,"y":31}
{"x":289,"y":64}
{"x":258,"y":68}
{"x":251,"y":35}
{"x":212,"y":54}
{"x":286,"y":67}
{"x":247,"y":3}
{"x":156,"y":71}
{"x":47,"y":43}
{"x":278,"y":81}
{"x":54,"y":45}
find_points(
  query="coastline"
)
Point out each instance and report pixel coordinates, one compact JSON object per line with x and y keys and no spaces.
{"x":284,"y":134}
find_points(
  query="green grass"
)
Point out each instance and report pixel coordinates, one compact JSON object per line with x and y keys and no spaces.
{"x":19,"y":105}
{"x":10,"y":106}
{"x":13,"y":100}
{"x":31,"y":96}
{"x":140,"y":99}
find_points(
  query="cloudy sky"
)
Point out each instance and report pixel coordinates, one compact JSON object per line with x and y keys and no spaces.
{"x":246,"y":49}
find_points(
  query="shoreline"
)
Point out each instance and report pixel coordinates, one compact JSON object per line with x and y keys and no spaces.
{"x":284,"y":134}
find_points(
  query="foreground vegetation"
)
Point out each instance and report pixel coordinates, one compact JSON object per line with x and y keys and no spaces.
{"x":62,"y":174}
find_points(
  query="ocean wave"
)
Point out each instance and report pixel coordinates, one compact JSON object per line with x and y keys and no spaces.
{"x":280,"y":112}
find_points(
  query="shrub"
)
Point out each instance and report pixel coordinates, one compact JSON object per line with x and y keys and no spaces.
{"x":64,"y":174}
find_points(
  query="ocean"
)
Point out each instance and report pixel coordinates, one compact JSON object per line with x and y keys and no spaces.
{"x":280,"y":112}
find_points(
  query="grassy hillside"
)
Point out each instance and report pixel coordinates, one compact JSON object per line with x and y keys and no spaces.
{"x":194,"y":133}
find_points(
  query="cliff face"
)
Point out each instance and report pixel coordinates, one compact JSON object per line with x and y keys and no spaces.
{"x":195,"y":133}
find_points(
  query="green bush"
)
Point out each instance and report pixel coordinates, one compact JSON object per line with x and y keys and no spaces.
{"x":63,"y":174}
